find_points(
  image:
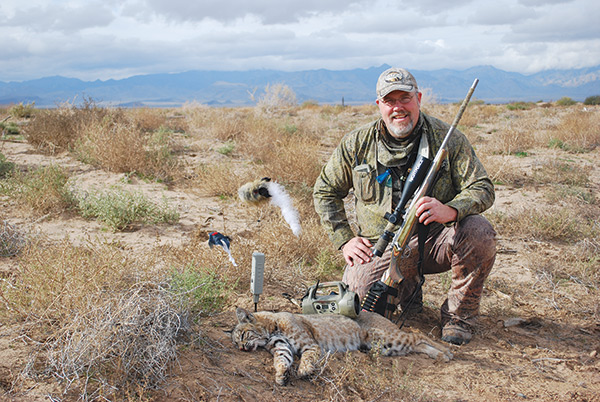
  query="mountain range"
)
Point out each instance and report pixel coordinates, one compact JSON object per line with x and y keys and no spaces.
{"x":243,"y":88}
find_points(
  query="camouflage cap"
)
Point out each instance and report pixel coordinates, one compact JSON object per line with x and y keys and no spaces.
{"x":395,"y":79}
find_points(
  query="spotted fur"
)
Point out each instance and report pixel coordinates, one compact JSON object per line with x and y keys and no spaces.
{"x":286,"y":335}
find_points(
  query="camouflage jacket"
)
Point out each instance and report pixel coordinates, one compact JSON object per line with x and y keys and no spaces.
{"x":462,"y":183}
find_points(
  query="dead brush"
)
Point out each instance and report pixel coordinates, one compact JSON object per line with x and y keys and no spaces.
{"x":566,"y":282}
{"x":12,"y":240}
{"x":501,"y":170}
{"x":102,"y":320}
{"x":510,"y":139}
{"x":556,"y":171}
{"x":120,"y":341}
{"x":229,"y":124}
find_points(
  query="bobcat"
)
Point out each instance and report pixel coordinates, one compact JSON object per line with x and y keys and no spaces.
{"x":287,"y":334}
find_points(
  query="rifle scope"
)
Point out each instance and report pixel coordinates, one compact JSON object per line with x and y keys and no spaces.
{"x":415,"y":177}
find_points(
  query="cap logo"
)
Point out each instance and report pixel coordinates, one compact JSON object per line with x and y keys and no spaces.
{"x":394,"y":76}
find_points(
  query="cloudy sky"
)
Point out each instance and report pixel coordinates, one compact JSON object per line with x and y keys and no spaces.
{"x":103,"y":39}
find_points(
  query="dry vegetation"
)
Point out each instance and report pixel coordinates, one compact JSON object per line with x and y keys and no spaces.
{"x":96,"y":305}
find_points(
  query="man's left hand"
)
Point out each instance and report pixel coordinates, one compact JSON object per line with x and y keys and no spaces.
{"x":431,"y":210}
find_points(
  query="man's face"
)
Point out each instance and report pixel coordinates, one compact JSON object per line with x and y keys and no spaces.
{"x":400,"y":112}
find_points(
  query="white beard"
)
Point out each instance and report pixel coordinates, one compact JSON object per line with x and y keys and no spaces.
{"x":401,"y":132}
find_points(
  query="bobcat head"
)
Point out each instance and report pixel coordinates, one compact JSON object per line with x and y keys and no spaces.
{"x":249,"y":334}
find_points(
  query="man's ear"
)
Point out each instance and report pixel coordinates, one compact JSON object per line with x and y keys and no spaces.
{"x":244,"y":316}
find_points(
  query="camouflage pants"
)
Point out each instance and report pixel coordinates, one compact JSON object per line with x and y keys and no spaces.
{"x":467,"y":249}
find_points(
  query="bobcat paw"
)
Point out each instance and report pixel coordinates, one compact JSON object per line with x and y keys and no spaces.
{"x":306,"y":371}
{"x":447,"y":355}
{"x":282,"y":378}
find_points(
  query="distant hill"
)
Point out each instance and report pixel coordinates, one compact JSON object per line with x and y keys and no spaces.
{"x":237,"y":88}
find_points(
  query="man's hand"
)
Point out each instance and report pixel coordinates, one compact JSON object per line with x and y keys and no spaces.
{"x":431,"y":210}
{"x":358,"y":250}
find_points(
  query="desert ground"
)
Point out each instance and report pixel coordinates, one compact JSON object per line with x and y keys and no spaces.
{"x":537,"y":337}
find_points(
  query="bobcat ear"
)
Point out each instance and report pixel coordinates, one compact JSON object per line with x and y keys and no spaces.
{"x":244,"y":316}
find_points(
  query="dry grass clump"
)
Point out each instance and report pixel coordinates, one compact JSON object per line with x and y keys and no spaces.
{"x":368,"y":377}
{"x":220,"y":179}
{"x":545,"y":224}
{"x":148,"y":120}
{"x":512,"y":138}
{"x":133,"y":142}
{"x":43,"y":189}
{"x":557,"y":171}
{"x":288,"y":152}
{"x":502,"y":170}
{"x":118,"y":145}
{"x":56,"y":130}
{"x":53,"y":281}
{"x":577,"y":131}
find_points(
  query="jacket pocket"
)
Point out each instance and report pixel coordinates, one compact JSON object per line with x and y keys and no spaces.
{"x":365,"y":187}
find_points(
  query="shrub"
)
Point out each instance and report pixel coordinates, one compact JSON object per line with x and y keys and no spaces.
{"x":576,"y":131}
{"x":277,"y":97}
{"x":44,"y":189}
{"x":565,"y":101}
{"x":10,"y":128}
{"x":592,"y":100}
{"x":202,"y":290}
{"x":520,"y":106}
{"x":22,"y":111}
{"x":227,"y":148}
{"x":120,"y":209}
{"x":5,"y":166}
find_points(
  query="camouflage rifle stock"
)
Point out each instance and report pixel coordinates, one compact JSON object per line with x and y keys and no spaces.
{"x":380,"y":296}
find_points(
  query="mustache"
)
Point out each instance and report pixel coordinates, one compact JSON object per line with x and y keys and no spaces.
{"x":395,"y":114}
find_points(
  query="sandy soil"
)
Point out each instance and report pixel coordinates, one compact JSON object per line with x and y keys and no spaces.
{"x":540,"y":354}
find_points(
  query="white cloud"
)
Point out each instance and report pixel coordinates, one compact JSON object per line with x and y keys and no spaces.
{"x":115,"y":38}
{"x":60,"y":17}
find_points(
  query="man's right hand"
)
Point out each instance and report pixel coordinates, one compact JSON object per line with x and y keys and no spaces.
{"x":358,"y":250}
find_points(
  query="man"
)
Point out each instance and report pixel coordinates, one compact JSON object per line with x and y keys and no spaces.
{"x":374,"y":161}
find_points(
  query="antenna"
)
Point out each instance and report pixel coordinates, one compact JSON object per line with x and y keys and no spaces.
{"x":258,"y":273}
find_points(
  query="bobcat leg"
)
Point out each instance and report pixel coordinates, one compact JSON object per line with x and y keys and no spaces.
{"x":283,"y":357}
{"x":432,"y":349}
{"x":309,"y":361}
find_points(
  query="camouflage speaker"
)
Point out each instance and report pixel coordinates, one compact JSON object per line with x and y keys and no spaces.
{"x":331,"y":298}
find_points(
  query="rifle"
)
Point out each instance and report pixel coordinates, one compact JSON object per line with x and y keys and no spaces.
{"x":403,"y":222}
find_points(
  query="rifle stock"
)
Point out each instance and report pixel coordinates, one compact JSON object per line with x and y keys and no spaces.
{"x":409,"y":222}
